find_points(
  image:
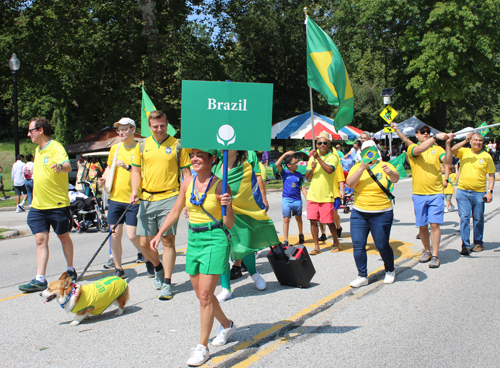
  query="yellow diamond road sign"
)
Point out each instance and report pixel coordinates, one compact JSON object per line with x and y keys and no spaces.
{"x":388,"y":114}
{"x":388,"y":130}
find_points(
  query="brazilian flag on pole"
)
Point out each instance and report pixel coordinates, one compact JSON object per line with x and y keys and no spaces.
{"x":484,"y":131}
{"x":147,"y":107}
{"x":326,"y":73}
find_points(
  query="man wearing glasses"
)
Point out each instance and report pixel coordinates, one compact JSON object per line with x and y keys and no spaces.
{"x":119,"y":198}
{"x":320,"y":197}
{"x":155,"y":170}
{"x":50,"y":206}
{"x":425,"y":159}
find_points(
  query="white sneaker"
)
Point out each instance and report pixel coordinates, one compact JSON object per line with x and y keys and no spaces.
{"x":360,"y":281}
{"x":390,"y":277}
{"x":260,"y":283}
{"x":18,"y":209}
{"x":445,"y":210}
{"x":223,"y":334}
{"x":225,"y":295}
{"x":199,"y":356}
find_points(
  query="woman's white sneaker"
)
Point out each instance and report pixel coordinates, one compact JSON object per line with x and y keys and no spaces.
{"x":199,"y":356}
{"x":223,"y":334}
{"x":225,"y":295}
{"x":260,"y":283}
{"x":390,"y":277}
{"x":360,"y":281}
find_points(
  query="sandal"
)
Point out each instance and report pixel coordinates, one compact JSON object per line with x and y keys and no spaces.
{"x":335,"y":249}
{"x":314,"y":252}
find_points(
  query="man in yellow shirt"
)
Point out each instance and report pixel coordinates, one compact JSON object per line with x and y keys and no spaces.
{"x":119,"y":198}
{"x":425,"y":159}
{"x":475,"y":165}
{"x":50,"y":206}
{"x":155,"y":170}
{"x":320,"y":197}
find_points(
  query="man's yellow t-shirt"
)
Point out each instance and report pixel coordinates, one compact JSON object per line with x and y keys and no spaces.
{"x":50,"y":190}
{"x":368,"y":197}
{"x":158,"y":163}
{"x":473,"y":169}
{"x":339,"y":177}
{"x":122,"y":187}
{"x":426,"y":170}
{"x":321,"y":188}
{"x":450,"y":189}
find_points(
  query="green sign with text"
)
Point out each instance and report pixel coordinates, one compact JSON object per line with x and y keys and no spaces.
{"x":226,"y":115}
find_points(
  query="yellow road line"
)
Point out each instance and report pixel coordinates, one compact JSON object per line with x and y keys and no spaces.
{"x":180,"y":251}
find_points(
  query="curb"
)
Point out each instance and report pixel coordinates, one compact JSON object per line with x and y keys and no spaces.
{"x":5,"y":209}
{"x":9,"y":234}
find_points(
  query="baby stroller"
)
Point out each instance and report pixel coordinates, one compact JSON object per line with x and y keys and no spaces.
{"x":347,"y":164}
{"x":87,"y":211}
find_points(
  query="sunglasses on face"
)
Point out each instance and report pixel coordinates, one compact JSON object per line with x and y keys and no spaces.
{"x":425,"y":131}
{"x":321,"y":143}
{"x":31,"y":130}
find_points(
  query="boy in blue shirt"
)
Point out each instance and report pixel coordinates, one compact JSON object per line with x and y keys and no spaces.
{"x":293,"y":185}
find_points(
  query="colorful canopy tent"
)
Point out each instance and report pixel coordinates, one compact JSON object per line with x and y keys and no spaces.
{"x":407,"y":127}
{"x":299,"y":127}
{"x":98,"y":141}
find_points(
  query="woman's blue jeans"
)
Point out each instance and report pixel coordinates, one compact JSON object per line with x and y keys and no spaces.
{"x":471,"y":202}
{"x":379,"y":224}
{"x":28,"y":183}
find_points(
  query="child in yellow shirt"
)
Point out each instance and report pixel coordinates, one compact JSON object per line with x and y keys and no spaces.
{"x":450,"y":189}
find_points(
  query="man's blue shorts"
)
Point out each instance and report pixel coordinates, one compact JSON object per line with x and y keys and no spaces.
{"x":291,"y":207}
{"x":429,"y":209}
{"x":116,"y":209}
{"x":40,"y":221}
{"x":336,"y":203}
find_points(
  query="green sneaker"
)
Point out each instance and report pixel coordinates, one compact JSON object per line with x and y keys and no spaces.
{"x":166,"y":292}
{"x":33,"y":286}
{"x":158,"y":280}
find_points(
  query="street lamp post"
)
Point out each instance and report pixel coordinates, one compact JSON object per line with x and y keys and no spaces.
{"x":14,"y":64}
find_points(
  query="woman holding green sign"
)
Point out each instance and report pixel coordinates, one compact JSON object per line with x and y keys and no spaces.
{"x":253,"y":230}
{"x":372,"y":212}
{"x":208,"y":246}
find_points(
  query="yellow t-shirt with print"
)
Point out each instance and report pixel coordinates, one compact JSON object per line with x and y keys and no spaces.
{"x":158,"y":163}
{"x":210,"y":204}
{"x":426,"y":170}
{"x":50,"y":190}
{"x":450,"y":188}
{"x":473,"y":169}
{"x":339,"y":177}
{"x":122,"y":187}
{"x":100,"y":294}
{"x":321,"y":187}
{"x":367,"y":195}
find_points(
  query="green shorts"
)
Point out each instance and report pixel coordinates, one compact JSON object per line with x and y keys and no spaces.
{"x":152,"y":215}
{"x":207,"y":252}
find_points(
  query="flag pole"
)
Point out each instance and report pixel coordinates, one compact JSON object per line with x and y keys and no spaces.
{"x":310,"y":93}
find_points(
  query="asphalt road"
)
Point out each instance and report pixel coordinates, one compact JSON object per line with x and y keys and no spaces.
{"x":429,"y":317}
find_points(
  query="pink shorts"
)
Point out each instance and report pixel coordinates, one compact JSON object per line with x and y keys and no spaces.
{"x":322,"y":212}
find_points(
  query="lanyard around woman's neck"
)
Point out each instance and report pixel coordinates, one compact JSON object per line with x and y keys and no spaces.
{"x":195,"y":193}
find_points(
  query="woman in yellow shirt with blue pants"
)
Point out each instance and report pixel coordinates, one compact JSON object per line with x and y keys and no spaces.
{"x":372,"y":212}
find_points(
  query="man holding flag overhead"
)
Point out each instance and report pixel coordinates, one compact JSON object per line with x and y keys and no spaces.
{"x":425,"y":159}
{"x":326,"y":73}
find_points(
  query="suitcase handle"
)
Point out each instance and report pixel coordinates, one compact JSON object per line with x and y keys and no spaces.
{"x":277,"y":245}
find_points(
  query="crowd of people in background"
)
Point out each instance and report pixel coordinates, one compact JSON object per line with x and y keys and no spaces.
{"x":152,"y":182}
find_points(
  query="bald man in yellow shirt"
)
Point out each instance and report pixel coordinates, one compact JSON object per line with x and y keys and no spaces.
{"x":475,"y":165}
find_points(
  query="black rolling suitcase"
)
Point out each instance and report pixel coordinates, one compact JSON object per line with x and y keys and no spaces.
{"x":292,"y":265}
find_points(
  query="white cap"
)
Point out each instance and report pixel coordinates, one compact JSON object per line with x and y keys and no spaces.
{"x":366,"y":144}
{"x":124,"y":121}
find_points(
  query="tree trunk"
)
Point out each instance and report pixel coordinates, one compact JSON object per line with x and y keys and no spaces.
{"x":150,"y":30}
{"x":441,"y":110}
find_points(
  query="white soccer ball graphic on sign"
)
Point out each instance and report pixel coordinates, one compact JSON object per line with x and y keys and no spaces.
{"x":226,"y":134}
